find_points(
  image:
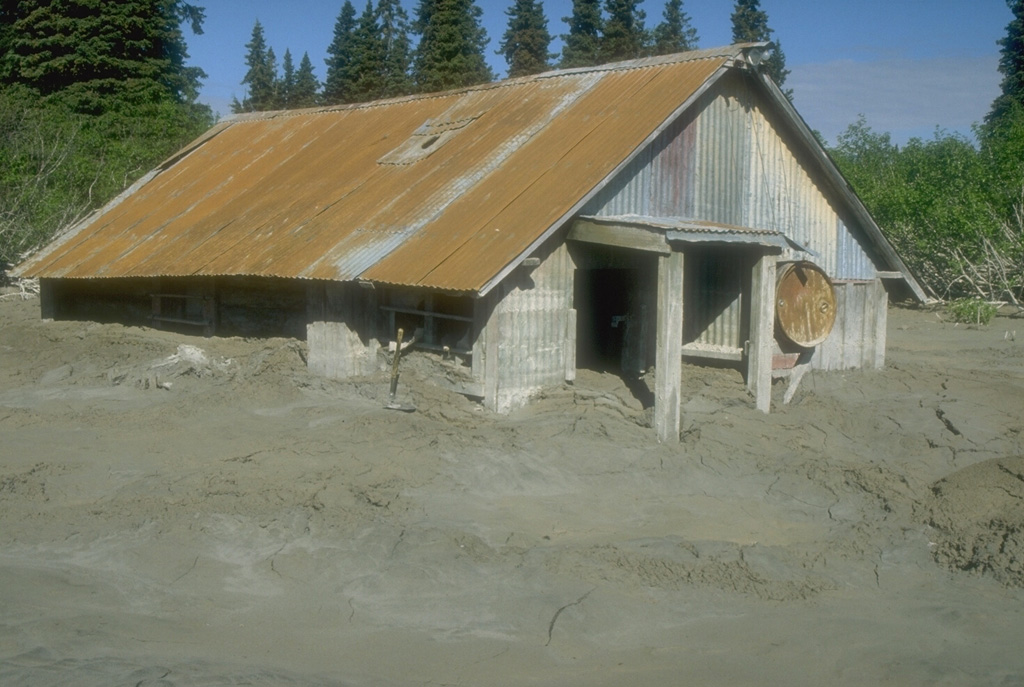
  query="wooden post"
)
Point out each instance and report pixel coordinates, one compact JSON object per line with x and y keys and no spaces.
{"x":881,"y":304}
{"x":669,"y":355}
{"x":762,"y":332}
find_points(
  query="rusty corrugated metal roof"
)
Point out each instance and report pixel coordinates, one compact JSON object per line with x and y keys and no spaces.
{"x":443,"y":190}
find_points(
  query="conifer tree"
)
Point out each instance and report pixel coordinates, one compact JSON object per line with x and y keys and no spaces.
{"x":1011,"y":66}
{"x":97,"y":53}
{"x":339,"y":56}
{"x":274,"y":102}
{"x":750,"y":25}
{"x":675,"y":33}
{"x":286,"y":88}
{"x":452,"y":43}
{"x":367,"y":58}
{"x":582,"y":45}
{"x":526,"y":40}
{"x":393,"y":25}
{"x":306,"y":85}
{"x":261,"y":77}
{"x":624,"y":36}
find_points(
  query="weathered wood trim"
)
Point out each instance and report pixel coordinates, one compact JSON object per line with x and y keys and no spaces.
{"x":570,"y":345}
{"x":669,"y":353}
{"x":881,"y":323}
{"x":619,"y":235}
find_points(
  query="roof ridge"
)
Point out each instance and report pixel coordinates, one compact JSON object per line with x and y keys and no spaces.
{"x":734,"y":50}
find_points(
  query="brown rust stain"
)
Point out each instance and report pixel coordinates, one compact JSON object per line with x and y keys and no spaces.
{"x":305,"y":195}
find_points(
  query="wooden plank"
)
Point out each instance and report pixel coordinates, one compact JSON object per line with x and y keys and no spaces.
{"x":710,"y":351}
{"x":668,"y":357}
{"x":881,"y":323}
{"x":570,"y":345}
{"x":426,"y":313}
{"x":853,"y":348}
{"x":619,"y":235}
{"x":762,"y":332}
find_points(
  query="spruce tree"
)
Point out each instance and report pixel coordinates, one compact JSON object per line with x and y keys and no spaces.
{"x":92,"y":93}
{"x":98,"y":53}
{"x":367,"y":58}
{"x":304,"y":93}
{"x":274,"y":101}
{"x":750,"y":25}
{"x":286,"y":88}
{"x":452,"y":43}
{"x":675,"y":33}
{"x":624,"y":36}
{"x":1011,"y":66}
{"x":393,"y":25}
{"x":582,"y":45}
{"x":526,"y":40}
{"x":339,"y":56}
{"x":261,"y":77}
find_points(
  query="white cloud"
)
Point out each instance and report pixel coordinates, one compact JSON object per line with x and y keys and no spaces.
{"x":901,"y":96}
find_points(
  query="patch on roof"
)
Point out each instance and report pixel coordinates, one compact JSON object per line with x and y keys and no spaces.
{"x":426,"y":140}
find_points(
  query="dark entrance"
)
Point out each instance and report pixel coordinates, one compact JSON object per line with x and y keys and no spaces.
{"x":602,"y":303}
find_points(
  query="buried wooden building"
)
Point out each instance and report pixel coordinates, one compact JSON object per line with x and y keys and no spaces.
{"x":626,"y":215}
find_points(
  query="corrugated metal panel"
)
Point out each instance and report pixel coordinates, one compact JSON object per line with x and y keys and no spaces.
{"x":733,"y":164}
{"x":303,"y":195}
{"x":714,"y":288}
{"x":532,"y":322}
{"x":722,"y":159}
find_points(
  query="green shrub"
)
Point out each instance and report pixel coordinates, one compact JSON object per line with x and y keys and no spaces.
{"x":971,"y":311}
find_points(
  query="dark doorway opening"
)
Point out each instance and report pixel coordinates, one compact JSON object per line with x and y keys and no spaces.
{"x":602,"y":299}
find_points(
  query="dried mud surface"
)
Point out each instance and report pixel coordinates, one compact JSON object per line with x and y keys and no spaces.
{"x":177,"y":510}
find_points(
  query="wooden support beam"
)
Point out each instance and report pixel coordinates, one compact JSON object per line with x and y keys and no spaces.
{"x":762,"y":332}
{"x":669,"y":354}
{"x":619,"y":235}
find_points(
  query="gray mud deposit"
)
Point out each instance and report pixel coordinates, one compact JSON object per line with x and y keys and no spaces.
{"x":186,"y":511}
{"x":979,"y":513}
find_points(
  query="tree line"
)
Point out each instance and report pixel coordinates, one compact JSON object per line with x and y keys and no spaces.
{"x":953,"y":207}
{"x":373,"y":54}
{"x":92,"y":95}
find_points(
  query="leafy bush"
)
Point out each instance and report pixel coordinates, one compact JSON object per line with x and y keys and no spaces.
{"x":56,"y":164}
{"x":971,"y":311}
{"x":952,"y":209}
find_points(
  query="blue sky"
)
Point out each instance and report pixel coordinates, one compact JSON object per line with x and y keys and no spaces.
{"x":909,"y":66}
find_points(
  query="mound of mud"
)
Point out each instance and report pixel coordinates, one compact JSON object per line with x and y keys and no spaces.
{"x":979,"y":514}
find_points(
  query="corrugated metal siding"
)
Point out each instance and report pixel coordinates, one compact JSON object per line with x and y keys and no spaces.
{"x":732,"y":164}
{"x":532,"y":319}
{"x":303,"y":195}
{"x":715,"y":282}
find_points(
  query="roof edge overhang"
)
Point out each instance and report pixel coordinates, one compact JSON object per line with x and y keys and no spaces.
{"x":692,"y":231}
{"x":24,"y":268}
{"x":841,"y":186}
{"x":737,"y":57}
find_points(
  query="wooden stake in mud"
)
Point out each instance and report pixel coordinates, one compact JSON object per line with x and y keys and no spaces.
{"x":393,"y":404}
